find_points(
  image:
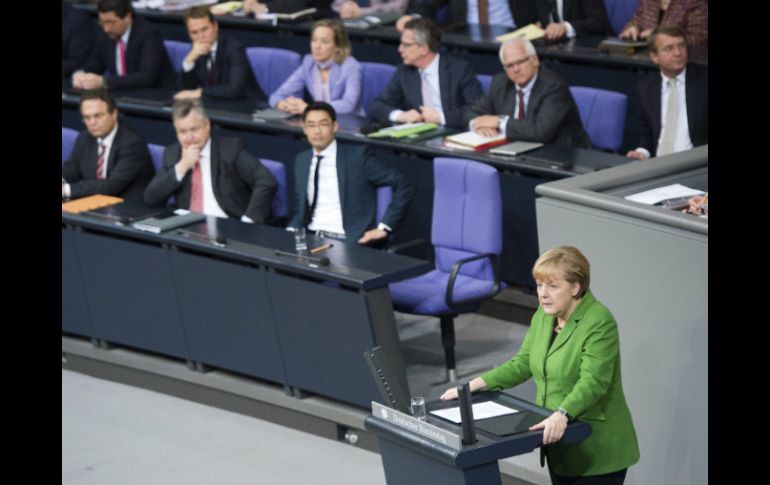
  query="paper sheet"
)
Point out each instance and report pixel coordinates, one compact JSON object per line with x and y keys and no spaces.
{"x":663,"y":193}
{"x":482,"y":410}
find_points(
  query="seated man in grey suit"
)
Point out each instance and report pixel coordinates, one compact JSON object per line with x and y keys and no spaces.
{"x":108,"y":157}
{"x":211,"y":175}
{"x":428,"y":86}
{"x":336,"y":185}
{"x":528,"y":102}
{"x":672,"y":120}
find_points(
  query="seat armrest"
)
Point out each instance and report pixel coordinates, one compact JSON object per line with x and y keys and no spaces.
{"x":453,"y":276}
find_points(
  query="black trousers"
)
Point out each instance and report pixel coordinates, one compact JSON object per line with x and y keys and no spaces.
{"x":614,"y":478}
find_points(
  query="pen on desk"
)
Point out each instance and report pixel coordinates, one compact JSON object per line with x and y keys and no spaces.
{"x":320,"y":248}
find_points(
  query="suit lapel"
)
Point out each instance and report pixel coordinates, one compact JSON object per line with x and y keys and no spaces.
{"x":572,"y":323}
{"x":413,"y":96}
{"x":444,"y":76}
{"x":656,"y":95}
{"x":215,"y":169}
{"x":342,"y":176}
{"x":690,"y":93}
{"x":113,"y":152}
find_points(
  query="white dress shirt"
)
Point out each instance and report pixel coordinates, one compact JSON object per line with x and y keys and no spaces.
{"x":328,"y":209}
{"x":682,"y":135}
{"x":527,"y":92}
{"x":560,"y":9}
{"x":429,"y":74}
{"x":124,"y":38}
{"x":499,"y":13}
{"x":107,"y":140}
{"x":210,"y":205}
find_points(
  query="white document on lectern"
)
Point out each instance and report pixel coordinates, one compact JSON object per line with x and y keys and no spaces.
{"x":482,"y":410}
{"x":663,"y":193}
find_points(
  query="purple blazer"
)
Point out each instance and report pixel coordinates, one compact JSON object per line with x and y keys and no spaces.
{"x":344,"y":84}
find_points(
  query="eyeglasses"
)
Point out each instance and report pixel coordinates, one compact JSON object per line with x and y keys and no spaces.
{"x":518,"y":63}
{"x":407,"y":44}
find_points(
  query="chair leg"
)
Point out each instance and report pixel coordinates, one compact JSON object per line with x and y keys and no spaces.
{"x":448,"y":340}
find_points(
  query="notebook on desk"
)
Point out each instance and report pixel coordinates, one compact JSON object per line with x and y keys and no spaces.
{"x":515,"y":148}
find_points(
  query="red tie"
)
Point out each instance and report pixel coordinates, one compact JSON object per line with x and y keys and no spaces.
{"x":100,"y":161}
{"x":196,"y":194}
{"x":520,"y":116}
{"x":122,"y":58}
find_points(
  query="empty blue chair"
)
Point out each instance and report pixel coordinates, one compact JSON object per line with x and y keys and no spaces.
{"x":467,"y":237}
{"x":485,"y":80}
{"x":384,"y":196}
{"x":619,"y":12}
{"x":272,"y":66}
{"x":280,"y":206}
{"x":603,"y":114}
{"x":177,"y":51}
{"x":375,"y":76}
{"x":68,"y":137}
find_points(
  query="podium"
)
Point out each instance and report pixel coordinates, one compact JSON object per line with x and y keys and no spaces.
{"x":431,"y":451}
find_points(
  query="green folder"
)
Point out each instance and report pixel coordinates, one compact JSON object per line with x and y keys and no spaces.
{"x":398,"y":132}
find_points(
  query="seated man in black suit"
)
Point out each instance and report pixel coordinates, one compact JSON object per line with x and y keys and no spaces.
{"x":508,"y":13}
{"x":570,"y":18}
{"x":108,"y":157}
{"x":528,"y":102}
{"x":670,"y":124}
{"x":210,"y":175}
{"x":338,"y":199}
{"x":77,"y":38}
{"x":428,"y":86}
{"x":217,"y":65}
{"x":130,"y":50}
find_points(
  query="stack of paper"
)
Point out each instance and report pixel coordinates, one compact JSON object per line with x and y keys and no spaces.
{"x":472,"y":141}
{"x":530,"y":32}
{"x":89,"y":203}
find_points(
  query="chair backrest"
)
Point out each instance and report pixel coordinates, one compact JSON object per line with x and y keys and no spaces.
{"x":280,"y":206}
{"x":467,"y":214}
{"x":156,"y":152}
{"x":485,"y":80}
{"x":375,"y":76}
{"x":272,"y":66}
{"x":619,"y":12}
{"x":603,"y":114}
{"x":384,"y":196}
{"x":68,"y":137}
{"x":176,"y":52}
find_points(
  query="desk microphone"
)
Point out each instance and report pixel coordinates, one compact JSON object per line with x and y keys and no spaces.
{"x":322,"y":261}
{"x":218,"y":241}
{"x":466,"y":413}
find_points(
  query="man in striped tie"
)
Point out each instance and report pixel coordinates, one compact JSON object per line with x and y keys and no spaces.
{"x":108,"y":157}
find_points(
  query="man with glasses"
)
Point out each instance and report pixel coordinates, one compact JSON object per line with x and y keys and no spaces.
{"x":335,"y":192}
{"x":130,"y":51}
{"x":428,"y":86}
{"x":528,"y":102}
{"x":108,"y":157}
{"x":674,"y":102}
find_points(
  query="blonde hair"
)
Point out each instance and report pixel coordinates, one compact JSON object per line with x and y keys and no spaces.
{"x":567,"y":260}
{"x":341,"y":41}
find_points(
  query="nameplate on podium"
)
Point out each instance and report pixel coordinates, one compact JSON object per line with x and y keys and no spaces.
{"x":422,"y":428}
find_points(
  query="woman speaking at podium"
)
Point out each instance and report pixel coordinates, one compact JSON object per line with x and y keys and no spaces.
{"x":572,"y":351}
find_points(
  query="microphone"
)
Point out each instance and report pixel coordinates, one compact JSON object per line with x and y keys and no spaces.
{"x":322,"y":261}
{"x":218,"y":241}
{"x":466,"y":413}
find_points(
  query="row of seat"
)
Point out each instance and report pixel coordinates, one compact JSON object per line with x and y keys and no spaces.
{"x":603,"y":112}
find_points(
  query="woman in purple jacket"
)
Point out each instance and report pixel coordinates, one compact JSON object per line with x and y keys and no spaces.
{"x":328,"y":73}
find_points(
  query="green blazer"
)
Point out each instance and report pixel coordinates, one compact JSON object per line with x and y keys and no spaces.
{"x":581,"y":373}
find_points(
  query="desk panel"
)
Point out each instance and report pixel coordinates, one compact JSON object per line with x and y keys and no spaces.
{"x":75,"y":317}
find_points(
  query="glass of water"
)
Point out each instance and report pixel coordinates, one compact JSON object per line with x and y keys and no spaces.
{"x":418,"y":408}
{"x":300,"y":240}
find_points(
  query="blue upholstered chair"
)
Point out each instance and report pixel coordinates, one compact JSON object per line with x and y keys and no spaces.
{"x":375,"y":76}
{"x":280,"y":206}
{"x":603,"y":114}
{"x":156,"y":152}
{"x":619,"y":12}
{"x":485,"y":80}
{"x":467,"y":237}
{"x":68,"y":137}
{"x":272,"y":66}
{"x":384,"y":196}
{"x":176,"y":51}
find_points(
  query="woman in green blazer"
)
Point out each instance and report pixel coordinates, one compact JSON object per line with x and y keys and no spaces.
{"x":573,"y":353}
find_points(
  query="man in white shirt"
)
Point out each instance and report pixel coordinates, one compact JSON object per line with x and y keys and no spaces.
{"x":673,"y":102}
{"x":210,"y":175}
{"x":335,"y":189}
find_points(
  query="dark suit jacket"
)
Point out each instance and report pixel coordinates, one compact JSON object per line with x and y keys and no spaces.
{"x":457,"y":82}
{"x":523,"y":11}
{"x":232,"y":76}
{"x":129,"y":166}
{"x":78,"y":32}
{"x":147,"y":64}
{"x":242,"y":185}
{"x":359,"y":174}
{"x":588,"y":17}
{"x":551,"y":114}
{"x":696,"y":87}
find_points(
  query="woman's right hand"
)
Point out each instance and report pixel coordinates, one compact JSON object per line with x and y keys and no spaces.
{"x":630,"y":32}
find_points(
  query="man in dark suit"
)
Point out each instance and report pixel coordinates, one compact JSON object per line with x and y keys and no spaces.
{"x":216,"y":66}
{"x":672,"y":119}
{"x":570,"y":18}
{"x":428,"y":86}
{"x":130,"y":50}
{"x":509,"y":13}
{"x":528,"y":102}
{"x":77,"y":38}
{"x":108,"y":157}
{"x":210,"y":175}
{"x":336,"y":185}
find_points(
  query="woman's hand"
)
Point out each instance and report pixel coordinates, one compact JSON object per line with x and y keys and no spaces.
{"x":554,"y":426}
{"x":449,"y":394}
